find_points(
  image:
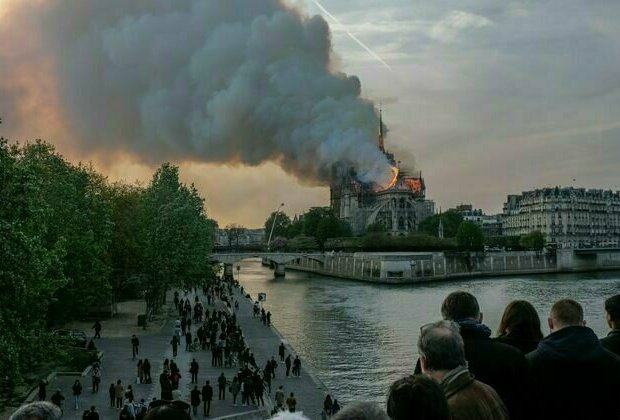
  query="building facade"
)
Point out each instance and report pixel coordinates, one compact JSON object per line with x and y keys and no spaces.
{"x":399,"y":208}
{"x":568,"y":217}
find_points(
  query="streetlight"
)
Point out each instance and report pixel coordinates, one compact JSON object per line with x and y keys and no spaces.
{"x":273,"y":224}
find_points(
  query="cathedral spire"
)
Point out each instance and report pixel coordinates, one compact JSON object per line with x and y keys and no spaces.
{"x":381,"y":140}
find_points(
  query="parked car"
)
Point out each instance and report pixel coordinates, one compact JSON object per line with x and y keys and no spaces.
{"x":75,"y":338}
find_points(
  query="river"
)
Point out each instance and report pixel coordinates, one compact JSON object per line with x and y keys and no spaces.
{"x":359,"y":337}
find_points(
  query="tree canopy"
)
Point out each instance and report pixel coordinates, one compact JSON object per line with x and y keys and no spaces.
{"x":469,"y":237}
{"x":451,"y":220}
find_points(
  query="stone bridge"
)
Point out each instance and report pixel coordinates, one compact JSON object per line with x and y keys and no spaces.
{"x":277,"y":259}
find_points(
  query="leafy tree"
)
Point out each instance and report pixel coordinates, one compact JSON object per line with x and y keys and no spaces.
{"x":469,"y":237}
{"x":281,"y":226}
{"x":234,"y":232}
{"x":451,"y":220}
{"x":376,"y":227}
{"x":534,"y":240}
{"x":302,"y":243}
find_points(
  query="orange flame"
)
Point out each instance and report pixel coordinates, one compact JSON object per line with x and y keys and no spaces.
{"x":395,"y":172}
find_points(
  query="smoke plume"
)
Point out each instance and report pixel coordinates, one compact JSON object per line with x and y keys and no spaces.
{"x":230,"y":81}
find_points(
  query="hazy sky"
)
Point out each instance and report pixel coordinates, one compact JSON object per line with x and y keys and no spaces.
{"x":487,"y":97}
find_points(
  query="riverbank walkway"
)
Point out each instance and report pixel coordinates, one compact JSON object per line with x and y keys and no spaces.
{"x":155,"y":345}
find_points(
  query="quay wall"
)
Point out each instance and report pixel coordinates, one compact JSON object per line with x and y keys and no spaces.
{"x":416,"y":267}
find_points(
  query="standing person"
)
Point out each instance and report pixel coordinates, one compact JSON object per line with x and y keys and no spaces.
{"x":221,"y":384}
{"x":146,"y":367}
{"x":96,"y":377}
{"x":268,"y":318}
{"x":77,"y":391}
{"x":573,"y":376}
{"x":93,"y":415}
{"x":207,"y":396}
{"x":176,"y":300}
{"x":193,"y":369}
{"x":501,"y":366}
{"x":335,"y":407}
{"x":282,"y":351}
{"x":274,"y":366}
{"x":327,"y":405}
{"x":417,"y":394}
{"x":287,"y":362}
{"x":97,"y":327}
{"x":235,"y":387}
{"x":520,"y":326}
{"x":135,"y":344}
{"x":139,"y":372}
{"x":279,"y":397}
{"x":612,"y":314}
{"x":291,"y":403}
{"x":188,"y":340}
{"x":119,"y":393}
{"x":175,"y":345}
{"x":42,"y":393}
{"x":112,"y":393}
{"x":195,"y":399}
{"x":297,"y":367}
{"x":57,"y":398}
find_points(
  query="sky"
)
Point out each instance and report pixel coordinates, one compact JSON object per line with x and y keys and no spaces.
{"x":486,"y":98}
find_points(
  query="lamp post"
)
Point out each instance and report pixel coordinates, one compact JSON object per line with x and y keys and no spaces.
{"x":273,"y":224}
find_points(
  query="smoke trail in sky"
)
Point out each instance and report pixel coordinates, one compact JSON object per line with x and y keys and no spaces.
{"x":235,"y":81}
{"x":351,"y":35}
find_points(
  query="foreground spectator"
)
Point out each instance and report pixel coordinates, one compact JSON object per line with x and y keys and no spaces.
{"x":361,"y":411}
{"x":417,"y":398}
{"x":39,"y":410}
{"x":442,"y":357}
{"x":520,"y":326}
{"x":499,"y":365}
{"x":612,"y":310}
{"x":573,"y":376}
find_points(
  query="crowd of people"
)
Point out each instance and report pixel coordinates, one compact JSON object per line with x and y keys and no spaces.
{"x":462,"y":372}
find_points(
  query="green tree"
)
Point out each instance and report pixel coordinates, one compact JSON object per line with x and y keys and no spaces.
{"x":534,"y":240}
{"x":281,"y":226}
{"x":302,"y":243}
{"x":469,"y":237}
{"x":376,"y":228}
{"x":451,"y":221}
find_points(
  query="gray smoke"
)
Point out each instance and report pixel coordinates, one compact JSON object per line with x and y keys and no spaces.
{"x":231,"y":81}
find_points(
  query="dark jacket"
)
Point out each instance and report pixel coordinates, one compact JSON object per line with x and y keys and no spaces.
{"x":207,"y":393}
{"x":612,"y":342}
{"x":524,"y":344}
{"x":574,"y":377}
{"x":498,"y":365}
{"x":469,"y":399}
{"x":195,"y":397}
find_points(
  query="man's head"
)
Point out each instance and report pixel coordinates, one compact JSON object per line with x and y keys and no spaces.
{"x":361,"y":410}
{"x":612,"y":308}
{"x":565,"y":313}
{"x":441,"y":347}
{"x":40,"y":410}
{"x":417,"y":394}
{"x":461,"y":305}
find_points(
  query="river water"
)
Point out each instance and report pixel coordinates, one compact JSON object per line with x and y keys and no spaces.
{"x":359,"y":337}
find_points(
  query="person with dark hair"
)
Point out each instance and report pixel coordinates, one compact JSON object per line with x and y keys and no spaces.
{"x":42,"y":392}
{"x":195,"y":399}
{"x":501,"y":366}
{"x":221,"y":384}
{"x":92,"y":414}
{"x":135,"y":345}
{"x":573,"y":376}
{"x":112,"y":394}
{"x":612,"y":313}
{"x":520,"y":326}
{"x":57,"y":398}
{"x":77,"y":391}
{"x":170,"y":410}
{"x":327,"y":404}
{"x":97,"y":327}
{"x":193,"y":369}
{"x":417,"y":397}
{"x":207,"y":396}
{"x":291,"y":402}
{"x":442,"y":357}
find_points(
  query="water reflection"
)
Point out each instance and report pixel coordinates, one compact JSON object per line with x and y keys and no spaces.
{"x":360,"y":337}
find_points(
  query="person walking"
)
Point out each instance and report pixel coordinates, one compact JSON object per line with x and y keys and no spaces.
{"x":77,"y":391}
{"x":281,"y":351}
{"x":57,"y":398}
{"x":194,"y":371}
{"x":112,"y":394}
{"x":42,"y":393}
{"x":279,"y":398}
{"x":327,"y":405}
{"x":135,"y":344}
{"x":96,"y":377}
{"x":97,"y":327}
{"x":291,"y":403}
{"x":119,"y":393}
{"x":287,"y":362}
{"x":195,"y":399}
{"x":207,"y":396}
{"x":221,"y":384}
{"x":235,"y":387}
{"x":146,"y":367}
{"x":188,"y":340}
{"x":268,"y":318}
{"x":297,"y":367}
{"x":175,"y":345}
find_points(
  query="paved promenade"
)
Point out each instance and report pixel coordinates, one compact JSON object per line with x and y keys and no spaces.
{"x":155,"y":345}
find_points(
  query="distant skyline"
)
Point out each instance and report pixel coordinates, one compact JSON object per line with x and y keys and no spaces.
{"x":487,"y":98}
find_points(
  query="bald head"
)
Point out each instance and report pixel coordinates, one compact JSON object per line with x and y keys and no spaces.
{"x":565,"y":313}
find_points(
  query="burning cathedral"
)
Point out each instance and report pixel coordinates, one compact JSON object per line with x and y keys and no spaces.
{"x":399,"y":206}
